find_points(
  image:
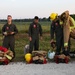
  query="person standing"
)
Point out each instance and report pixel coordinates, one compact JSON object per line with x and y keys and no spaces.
{"x":57,"y":30}
{"x":68,"y":31}
{"x":8,"y":31}
{"x":34,"y":30}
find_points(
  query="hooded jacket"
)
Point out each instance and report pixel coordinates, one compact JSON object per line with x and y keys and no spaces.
{"x":68,"y":25}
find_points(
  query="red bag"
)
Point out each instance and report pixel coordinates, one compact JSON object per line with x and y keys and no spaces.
{"x":3,"y":61}
{"x":3,"y":49}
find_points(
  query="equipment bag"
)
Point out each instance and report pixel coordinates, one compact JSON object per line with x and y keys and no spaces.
{"x":62,"y":59}
{"x":26,"y":49}
{"x":39,"y":57}
{"x":72,"y":54}
{"x":5,"y":56}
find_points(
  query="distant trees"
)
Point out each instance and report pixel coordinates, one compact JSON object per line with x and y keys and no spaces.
{"x":73,"y":16}
{"x":31,"y":19}
{"x":25,"y":20}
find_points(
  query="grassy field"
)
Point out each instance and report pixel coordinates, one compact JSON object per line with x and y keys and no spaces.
{"x":22,"y":38}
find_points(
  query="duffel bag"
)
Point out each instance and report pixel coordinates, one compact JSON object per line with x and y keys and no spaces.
{"x":61,"y":59}
{"x":39,"y":57}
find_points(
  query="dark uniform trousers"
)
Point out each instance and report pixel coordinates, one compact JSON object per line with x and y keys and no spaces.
{"x":34,"y":44}
{"x":9,"y":42}
{"x":57,"y":29}
{"x":59,"y":43}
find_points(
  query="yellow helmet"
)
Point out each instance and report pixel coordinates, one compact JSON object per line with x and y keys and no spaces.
{"x":53,"y":16}
{"x":28,"y":57}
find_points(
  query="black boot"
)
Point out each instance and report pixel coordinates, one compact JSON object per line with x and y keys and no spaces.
{"x":57,"y":53}
{"x":66,"y":52}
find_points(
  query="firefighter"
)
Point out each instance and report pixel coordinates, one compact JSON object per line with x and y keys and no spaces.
{"x":34,"y":30}
{"x":8,"y":31}
{"x":57,"y":29}
{"x":68,"y":30}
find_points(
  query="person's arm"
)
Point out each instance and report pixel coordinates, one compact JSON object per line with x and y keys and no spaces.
{"x":40,"y":30}
{"x":3,"y":30}
{"x":66,"y":32}
{"x":15,"y":30}
{"x":30,"y":32}
{"x":52,"y":31}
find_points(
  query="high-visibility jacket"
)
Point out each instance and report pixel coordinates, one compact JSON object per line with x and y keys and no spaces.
{"x":68,"y":29}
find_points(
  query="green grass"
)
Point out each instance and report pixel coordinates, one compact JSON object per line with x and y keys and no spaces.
{"x":24,"y":26}
{"x":22,"y":38}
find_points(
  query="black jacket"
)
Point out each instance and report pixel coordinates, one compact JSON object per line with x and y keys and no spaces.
{"x":9,"y":28}
{"x":57,"y":29}
{"x":35,"y":30}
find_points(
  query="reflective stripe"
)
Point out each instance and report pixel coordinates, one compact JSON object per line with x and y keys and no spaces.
{"x":61,"y":22}
{"x":65,"y":44}
{"x":9,"y":57}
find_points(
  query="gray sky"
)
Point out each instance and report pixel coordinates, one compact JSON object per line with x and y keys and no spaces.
{"x":31,"y":8}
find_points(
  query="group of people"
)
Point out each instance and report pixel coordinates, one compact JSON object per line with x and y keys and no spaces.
{"x":61,"y":28}
{"x":9,"y":30}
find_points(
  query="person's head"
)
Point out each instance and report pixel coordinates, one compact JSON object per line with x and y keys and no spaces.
{"x":65,"y":15}
{"x":36,"y":19}
{"x":9,"y":18}
{"x":53,"y":16}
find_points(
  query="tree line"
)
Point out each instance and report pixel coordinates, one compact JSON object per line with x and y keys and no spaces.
{"x":31,"y":19}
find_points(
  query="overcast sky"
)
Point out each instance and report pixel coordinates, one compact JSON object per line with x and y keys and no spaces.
{"x":31,"y":8}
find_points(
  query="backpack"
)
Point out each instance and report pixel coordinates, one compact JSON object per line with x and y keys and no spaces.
{"x":5,"y":55}
{"x":39,"y":57}
{"x":61,"y":58}
{"x":26,"y":49}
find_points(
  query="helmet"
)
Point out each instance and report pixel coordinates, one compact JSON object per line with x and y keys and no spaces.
{"x":26,"y":49}
{"x":51,"y":55}
{"x":28,"y":57}
{"x":53,"y":16}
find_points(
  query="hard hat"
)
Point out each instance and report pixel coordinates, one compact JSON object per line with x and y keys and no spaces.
{"x":53,"y":16}
{"x":28,"y":57}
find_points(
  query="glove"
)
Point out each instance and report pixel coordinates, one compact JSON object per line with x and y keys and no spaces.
{"x":5,"y":33}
